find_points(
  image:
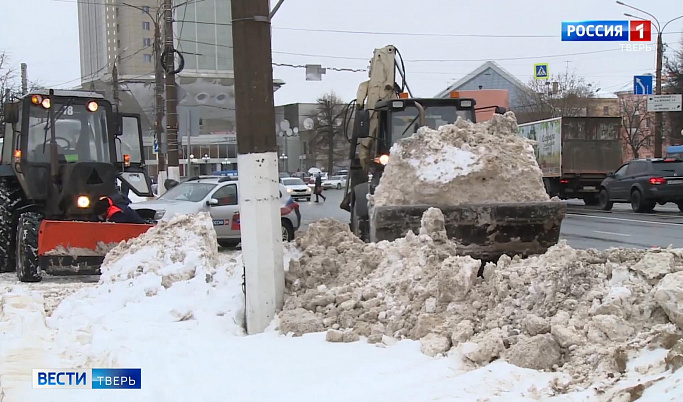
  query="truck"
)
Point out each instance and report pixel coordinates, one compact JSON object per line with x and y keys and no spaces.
{"x":575,"y":154}
{"x":484,"y":231}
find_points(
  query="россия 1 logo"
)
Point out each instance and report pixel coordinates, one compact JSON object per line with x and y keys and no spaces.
{"x":609,"y":31}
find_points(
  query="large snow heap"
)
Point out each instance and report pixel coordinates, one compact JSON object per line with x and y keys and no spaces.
{"x":578,"y":311}
{"x":460,"y":163}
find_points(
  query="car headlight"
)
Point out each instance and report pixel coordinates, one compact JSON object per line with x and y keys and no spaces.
{"x":289,"y":190}
{"x":159,"y":214}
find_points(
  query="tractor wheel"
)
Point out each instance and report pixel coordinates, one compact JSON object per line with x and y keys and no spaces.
{"x":27,"y":247}
{"x":10,"y":195}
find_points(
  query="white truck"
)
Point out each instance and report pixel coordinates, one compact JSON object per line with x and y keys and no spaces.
{"x":575,"y":153}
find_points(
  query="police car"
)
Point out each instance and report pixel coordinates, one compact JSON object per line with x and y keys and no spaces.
{"x":218,"y":197}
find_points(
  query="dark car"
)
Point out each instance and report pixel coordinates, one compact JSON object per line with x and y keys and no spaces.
{"x":644,"y":183}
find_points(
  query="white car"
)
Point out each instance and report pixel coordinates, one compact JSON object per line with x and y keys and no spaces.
{"x":296,"y":188}
{"x":335,"y":182}
{"x":218,"y":196}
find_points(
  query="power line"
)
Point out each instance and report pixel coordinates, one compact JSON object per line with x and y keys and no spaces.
{"x":91,"y":75}
{"x":453,"y":60}
{"x":327,"y":68}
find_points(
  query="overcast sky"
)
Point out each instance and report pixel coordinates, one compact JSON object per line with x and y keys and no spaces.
{"x":44,"y":34}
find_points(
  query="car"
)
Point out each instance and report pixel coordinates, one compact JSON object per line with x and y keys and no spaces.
{"x":335,"y":182}
{"x":218,"y":197}
{"x":644,"y":183}
{"x":297,"y":188}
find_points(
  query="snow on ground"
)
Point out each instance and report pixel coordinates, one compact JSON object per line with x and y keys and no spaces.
{"x":170,"y":304}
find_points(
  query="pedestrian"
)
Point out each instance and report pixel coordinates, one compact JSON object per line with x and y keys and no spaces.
{"x":109,"y":211}
{"x":319,"y":188}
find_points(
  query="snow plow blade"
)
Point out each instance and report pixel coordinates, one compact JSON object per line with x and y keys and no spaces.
{"x":78,"y":248}
{"x":482,"y":231}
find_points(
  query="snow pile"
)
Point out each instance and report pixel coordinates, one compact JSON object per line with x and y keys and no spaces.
{"x":583,"y":312}
{"x":170,"y":275}
{"x":462,"y":163}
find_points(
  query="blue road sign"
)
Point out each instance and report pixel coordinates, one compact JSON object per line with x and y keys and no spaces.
{"x":642,"y":85}
{"x":541,"y":71}
{"x":156,"y":147}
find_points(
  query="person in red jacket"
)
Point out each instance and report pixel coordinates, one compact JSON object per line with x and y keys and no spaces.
{"x":107,"y":210}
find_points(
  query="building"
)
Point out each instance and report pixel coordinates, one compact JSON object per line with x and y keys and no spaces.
{"x":491,"y":76}
{"x":112,"y":31}
{"x":295,"y":128}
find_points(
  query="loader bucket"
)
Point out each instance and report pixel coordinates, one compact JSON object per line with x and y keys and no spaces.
{"x":73,"y":247}
{"x":482,"y":231}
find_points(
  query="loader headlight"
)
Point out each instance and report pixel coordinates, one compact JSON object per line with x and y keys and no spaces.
{"x":159,"y":214}
{"x":384,"y":159}
{"x":83,"y":201}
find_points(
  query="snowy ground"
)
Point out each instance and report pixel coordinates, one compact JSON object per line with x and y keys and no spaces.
{"x":173,"y":306}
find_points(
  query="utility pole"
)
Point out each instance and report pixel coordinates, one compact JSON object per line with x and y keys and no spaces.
{"x":257,"y":161}
{"x":24,"y":79}
{"x":115,"y":85}
{"x":171,"y":95}
{"x":159,"y":106}
{"x":658,"y":91}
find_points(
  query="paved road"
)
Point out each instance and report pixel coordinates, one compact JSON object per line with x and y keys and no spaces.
{"x":583,"y":227}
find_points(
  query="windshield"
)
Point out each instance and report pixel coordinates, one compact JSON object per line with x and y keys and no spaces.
{"x":129,"y":141}
{"x":81,"y":135}
{"x":193,"y":192}
{"x":405,"y":122}
{"x":293,"y":182}
{"x":668,"y":168}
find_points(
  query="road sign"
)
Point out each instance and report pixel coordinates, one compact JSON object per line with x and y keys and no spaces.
{"x":156,"y":147}
{"x":541,"y":71}
{"x":664,"y":103}
{"x":642,"y":85}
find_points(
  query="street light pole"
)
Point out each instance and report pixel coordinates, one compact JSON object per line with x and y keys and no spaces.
{"x":658,"y":84}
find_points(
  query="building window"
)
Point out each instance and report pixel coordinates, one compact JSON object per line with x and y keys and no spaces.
{"x":145,"y":25}
{"x":147,"y":42}
{"x":118,"y":28}
{"x":118,"y":42}
{"x":605,"y":110}
{"x":145,"y":9}
{"x":148,"y":58}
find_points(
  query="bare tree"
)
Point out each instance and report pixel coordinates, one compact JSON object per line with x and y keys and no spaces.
{"x":329,"y":136}
{"x":563,"y":95}
{"x":7,"y":74}
{"x":674,"y":85}
{"x":634,"y":132}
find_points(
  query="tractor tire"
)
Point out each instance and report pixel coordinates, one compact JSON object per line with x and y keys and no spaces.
{"x":287,"y":231}
{"x":28,"y":269}
{"x":229,"y":243}
{"x":10,"y":196}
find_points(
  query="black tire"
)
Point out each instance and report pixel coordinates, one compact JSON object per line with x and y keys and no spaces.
{"x":360,"y":226}
{"x":638,"y":204}
{"x":592,"y":200}
{"x":10,"y":196}
{"x":339,"y":186}
{"x":680,"y":206}
{"x":228,"y":243}
{"x":28,"y":269}
{"x":287,"y":231}
{"x":604,"y":201}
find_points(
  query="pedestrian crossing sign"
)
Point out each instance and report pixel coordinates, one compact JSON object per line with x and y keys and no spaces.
{"x":541,"y":71}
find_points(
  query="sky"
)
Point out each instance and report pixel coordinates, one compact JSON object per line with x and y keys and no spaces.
{"x":440,"y":40}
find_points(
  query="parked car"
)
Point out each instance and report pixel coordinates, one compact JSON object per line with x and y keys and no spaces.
{"x":644,"y":183}
{"x":335,"y":182}
{"x":296,"y":188}
{"x":218,"y":196}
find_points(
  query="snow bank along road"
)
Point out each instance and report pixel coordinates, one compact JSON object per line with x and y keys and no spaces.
{"x":399,"y":321}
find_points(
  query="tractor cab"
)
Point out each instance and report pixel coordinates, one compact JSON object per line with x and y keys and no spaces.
{"x":401,"y":118}
{"x":62,"y":151}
